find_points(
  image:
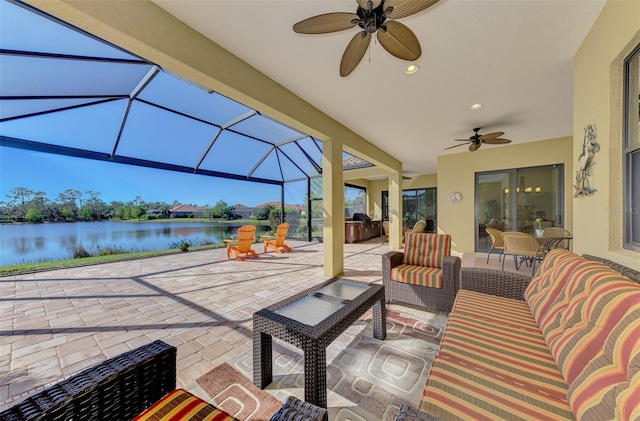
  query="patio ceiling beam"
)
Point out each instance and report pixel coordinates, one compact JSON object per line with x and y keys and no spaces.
{"x":311,"y":160}
{"x":12,"y":142}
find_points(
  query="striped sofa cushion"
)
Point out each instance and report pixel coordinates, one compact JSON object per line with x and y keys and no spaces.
{"x":426,"y":249}
{"x":182,"y":405}
{"x":417,"y":275}
{"x":492,"y":370}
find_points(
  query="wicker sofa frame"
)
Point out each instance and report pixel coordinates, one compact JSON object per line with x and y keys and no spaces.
{"x":437,"y":298}
{"x":503,"y":284}
{"x":122,"y":387}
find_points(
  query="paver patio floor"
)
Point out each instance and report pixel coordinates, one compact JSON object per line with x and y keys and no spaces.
{"x":56,"y":323}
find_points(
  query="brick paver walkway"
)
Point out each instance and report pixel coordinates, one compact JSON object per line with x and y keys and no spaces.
{"x":56,"y":323}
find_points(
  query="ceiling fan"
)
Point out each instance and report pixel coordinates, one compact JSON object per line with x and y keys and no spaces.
{"x":477,"y":140}
{"x":372,"y":16}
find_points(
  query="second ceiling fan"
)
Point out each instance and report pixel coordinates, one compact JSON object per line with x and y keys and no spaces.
{"x":478,"y":139}
{"x":372,"y":16}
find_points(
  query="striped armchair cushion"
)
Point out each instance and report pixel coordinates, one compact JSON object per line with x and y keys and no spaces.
{"x":417,"y":275}
{"x":426,"y":249}
{"x":182,"y":405}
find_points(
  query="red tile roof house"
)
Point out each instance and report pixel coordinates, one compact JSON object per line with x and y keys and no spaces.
{"x":186,"y":211}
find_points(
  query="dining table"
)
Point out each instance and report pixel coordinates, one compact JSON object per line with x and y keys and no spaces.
{"x":549,"y":242}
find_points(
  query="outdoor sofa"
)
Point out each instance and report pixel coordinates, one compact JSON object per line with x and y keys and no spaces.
{"x":564,"y":344}
{"x":123,"y":387}
{"x":423,"y":274}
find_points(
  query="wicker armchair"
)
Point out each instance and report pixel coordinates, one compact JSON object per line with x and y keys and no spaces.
{"x":408,"y":277}
{"x":523,"y":245}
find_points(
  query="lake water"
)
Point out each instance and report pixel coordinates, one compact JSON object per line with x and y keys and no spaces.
{"x":24,"y":243}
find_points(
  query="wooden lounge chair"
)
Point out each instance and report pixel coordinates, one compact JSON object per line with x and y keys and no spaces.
{"x":278,"y":243}
{"x":246,"y":236}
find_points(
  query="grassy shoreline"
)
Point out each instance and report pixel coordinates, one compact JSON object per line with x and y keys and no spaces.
{"x":19,"y":269}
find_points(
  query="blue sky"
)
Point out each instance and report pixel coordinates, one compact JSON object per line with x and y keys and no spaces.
{"x":54,"y":174}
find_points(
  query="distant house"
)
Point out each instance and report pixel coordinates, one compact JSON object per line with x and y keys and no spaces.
{"x":242,"y":211}
{"x":186,"y":211}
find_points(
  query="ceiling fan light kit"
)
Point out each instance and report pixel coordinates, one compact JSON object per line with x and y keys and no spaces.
{"x":478,"y":139}
{"x":372,"y":16}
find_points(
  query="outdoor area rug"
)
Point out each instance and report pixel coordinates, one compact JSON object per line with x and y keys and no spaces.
{"x":367,"y":379}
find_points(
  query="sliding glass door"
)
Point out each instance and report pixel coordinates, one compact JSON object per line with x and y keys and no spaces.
{"x":512,"y":200}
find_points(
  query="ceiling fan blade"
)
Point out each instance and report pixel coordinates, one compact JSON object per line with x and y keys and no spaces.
{"x":354,"y":52}
{"x":365,"y":4}
{"x":455,"y":146}
{"x":474,"y":146}
{"x":461,"y":140}
{"x":328,"y":22}
{"x":496,"y":141}
{"x":400,"y":41}
{"x":403,"y":8}
{"x":491,"y":135}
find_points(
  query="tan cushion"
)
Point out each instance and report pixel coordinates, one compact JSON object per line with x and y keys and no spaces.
{"x":426,"y":249}
{"x":417,"y":275}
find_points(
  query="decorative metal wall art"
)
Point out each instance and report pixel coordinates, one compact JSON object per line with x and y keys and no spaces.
{"x":586,"y":163}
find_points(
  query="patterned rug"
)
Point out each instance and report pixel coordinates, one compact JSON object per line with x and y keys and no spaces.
{"x":367,"y":379}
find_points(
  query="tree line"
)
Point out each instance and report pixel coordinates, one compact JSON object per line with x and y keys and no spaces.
{"x":26,"y":205}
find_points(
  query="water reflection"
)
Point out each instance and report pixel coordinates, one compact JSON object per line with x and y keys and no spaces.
{"x":30,"y":243}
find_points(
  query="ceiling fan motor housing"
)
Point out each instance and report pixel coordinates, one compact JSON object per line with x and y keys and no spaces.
{"x":372,"y":19}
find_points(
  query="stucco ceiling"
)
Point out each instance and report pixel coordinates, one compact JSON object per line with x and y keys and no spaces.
{"x":513,"y":56}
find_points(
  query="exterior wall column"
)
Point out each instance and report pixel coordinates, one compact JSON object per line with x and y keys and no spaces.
{"x":395,"y":210}
{"x":333,"y":207}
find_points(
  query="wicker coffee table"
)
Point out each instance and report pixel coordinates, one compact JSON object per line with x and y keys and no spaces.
{"x":311,"y":320}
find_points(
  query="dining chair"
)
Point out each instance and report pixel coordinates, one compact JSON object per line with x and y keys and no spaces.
{"x":496,"y":242}
{"x":522,"y":245}
{"x":558,"y":232}
{"x":419,"y":226}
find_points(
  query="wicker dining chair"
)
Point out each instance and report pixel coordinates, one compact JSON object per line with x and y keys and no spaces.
{"x":244,"y":243}
{"x":558,"y":232}
{"x":419,"y":226}
{"x":496,"y":242}
{"x":523,"y":245}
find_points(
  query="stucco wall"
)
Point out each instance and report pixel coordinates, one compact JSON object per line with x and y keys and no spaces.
{"x":456,"y":172}
{"x":598,"y":100}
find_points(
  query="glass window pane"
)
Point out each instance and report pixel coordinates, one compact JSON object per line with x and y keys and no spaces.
{"x":33,"y":76}
{"x":234,"y":154}
{"x":634,"y":208}
{"x":158,"y":135}
{"x":354,"y":200}
{"x":175,"y":94}
{"x":23,"y":30}
{"x":265,"y":129}
{"x":313,"y":148}
{"x":295,"y":153}
{"x":92,"y":128}
{"x":16,"y":108}
{"x":269,"y":168}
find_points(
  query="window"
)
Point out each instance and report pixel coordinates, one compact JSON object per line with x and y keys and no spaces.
{"x":417,"y":205}
{"x":512,"y":200}
{"x":631,"y":153}
{"x":354,"y":200}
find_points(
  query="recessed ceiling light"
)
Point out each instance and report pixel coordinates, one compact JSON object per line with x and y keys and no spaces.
{"x":411,"y":69}
{"x":476,"y":106}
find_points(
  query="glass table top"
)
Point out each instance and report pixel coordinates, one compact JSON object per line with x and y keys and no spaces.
{"x":343,"y":289}
{"x":309,"y":310}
